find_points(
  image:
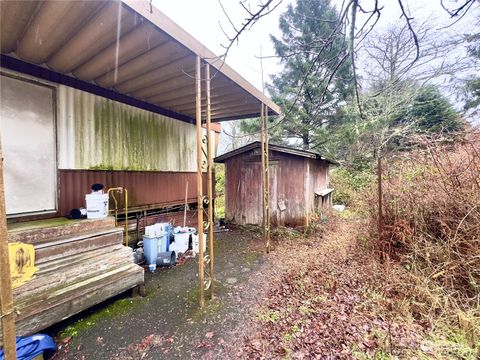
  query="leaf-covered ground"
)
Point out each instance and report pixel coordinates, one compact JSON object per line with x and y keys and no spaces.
{"x":326,"y":299}
{"x":319,"y":296}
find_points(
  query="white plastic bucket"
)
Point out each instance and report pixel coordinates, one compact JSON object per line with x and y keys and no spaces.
{"x":181,"y":241}
{"x":97,"y":205}
{"x":196,"y":244}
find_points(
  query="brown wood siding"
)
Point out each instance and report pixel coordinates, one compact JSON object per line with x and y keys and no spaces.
{"x":293,"y":180}
{"x":145,"y":188}
{"x":318,"y":181}
{"x":291,"y":190}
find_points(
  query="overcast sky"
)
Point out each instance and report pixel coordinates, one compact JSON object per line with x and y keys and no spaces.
{"x":202,"y":19}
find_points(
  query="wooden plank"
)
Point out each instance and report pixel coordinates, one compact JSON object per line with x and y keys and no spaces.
{"x":77,"y":259}
{"x":67,"y":247}
{"x":71,"y":275}
{"x":6,"y":299}
{"x":48,"y":300}
{"x":75,"y":304}
{"x":36,"y":232}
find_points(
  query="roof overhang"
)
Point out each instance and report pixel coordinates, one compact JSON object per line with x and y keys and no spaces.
{"x":128,"y":48}
{"x":271,"y":147}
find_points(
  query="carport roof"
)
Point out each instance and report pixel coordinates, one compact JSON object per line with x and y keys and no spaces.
{"x":125,"y":47}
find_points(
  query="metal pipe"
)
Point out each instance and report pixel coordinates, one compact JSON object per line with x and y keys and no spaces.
{"x":126,"y":217}
{"x":116,"y":205}
{"x":198,"y":116}
{"x":125,"y":199}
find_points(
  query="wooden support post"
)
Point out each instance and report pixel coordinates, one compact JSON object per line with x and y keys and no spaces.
{"x":209,"y":179}
{"x":380,"y":203}
{"x":6,"y":299}
{"x":265,"y":180}
{"x":198,"y":115}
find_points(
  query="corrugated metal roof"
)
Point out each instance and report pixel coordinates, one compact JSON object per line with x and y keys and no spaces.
{"x":126,"y":46}
{"x":272,"y":147}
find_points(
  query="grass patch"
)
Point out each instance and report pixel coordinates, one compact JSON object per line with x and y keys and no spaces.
{"x":448,"y":343}
{"x":267,"y":315}
{"x":359,"y":354}
{"x":289,"y":336}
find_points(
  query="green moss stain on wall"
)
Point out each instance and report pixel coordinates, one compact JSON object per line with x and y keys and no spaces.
{"x":113,"y":136}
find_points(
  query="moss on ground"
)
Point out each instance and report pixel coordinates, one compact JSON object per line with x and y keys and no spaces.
{"x":119,"y":307}
{"x":212,"y":307}
{"x":58,"y":221}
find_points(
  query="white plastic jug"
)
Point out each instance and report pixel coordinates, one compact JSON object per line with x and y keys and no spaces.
{"x":97,"y":205}
{"x":196,"y":243}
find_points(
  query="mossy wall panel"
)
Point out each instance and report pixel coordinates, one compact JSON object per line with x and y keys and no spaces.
{"x":95,"y":133}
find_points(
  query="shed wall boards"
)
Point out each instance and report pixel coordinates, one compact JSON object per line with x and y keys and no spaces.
{"x":27,"y":127}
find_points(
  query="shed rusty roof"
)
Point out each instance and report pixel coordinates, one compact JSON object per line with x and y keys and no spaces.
{"x":271,"y":147}
{"x":128,"y":47}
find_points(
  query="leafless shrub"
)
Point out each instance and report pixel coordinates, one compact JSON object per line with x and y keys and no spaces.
{"x":432,"y":217}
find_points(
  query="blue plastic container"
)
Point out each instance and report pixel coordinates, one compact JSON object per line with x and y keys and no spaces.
{"x":162,"y":243}
{"x":167,"y":228}
{"x":150,"y":249}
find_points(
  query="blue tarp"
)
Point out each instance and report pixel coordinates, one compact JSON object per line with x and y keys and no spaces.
{"x":30,"y":346}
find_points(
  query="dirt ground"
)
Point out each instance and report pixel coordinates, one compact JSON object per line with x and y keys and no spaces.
{"x":167,"y":322}
{"x":317,"y":296}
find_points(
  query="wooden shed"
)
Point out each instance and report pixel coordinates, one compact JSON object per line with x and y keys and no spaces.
{"x":298,"y":185}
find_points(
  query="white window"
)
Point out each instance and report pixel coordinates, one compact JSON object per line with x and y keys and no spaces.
{"x":27,"y":127}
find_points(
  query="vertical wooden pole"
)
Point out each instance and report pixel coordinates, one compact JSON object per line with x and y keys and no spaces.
{"x":210,"y":179}
{"x":380,"y":201}
{"x":267,"y":180}
{"x":262,"y":150}
{"x":6,"y":300}
{"x":198,"y":115}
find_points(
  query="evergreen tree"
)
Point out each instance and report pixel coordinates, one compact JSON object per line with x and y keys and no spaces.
{"x":432,"y":112}
{"x":316,"y":78}
{"x":472,"y":87}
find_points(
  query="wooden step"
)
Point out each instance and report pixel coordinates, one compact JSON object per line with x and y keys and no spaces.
{"x":80,"y":263}
{"x":49,"y":298}
{"x":71,"y":245}
{"x":35,"y":232}
{"x":75,"y":260}
{"x":49,"y":281}
{"x":91,"y":292}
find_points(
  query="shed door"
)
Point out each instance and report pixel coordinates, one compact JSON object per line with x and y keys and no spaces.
{"x":252,"y":194}
{"x":28,"y":143}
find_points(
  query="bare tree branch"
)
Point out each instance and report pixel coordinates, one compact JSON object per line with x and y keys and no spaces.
{"x":410,"y":27}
